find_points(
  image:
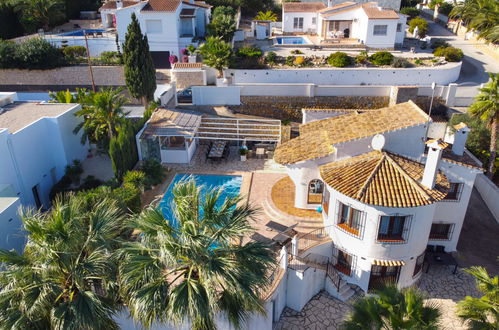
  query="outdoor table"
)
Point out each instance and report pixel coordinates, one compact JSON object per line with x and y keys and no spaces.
{"x":436,"y":258}
{"x":217,"y":149}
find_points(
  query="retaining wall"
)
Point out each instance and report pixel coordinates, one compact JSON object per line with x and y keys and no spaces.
{"x":489,"y":192}
{"x":441,"y":75}
{"x":77,"y":76}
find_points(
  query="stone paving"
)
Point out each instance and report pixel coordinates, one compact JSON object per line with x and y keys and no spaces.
{"x":439,"y":284}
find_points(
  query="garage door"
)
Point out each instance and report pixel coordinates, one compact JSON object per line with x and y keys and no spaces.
{"x":161,"y":60}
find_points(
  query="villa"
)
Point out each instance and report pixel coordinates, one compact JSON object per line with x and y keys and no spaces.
{"x":384,"y":190}
{"x":36,"y":144}
{"x":348,"y":22}
{"x":170,"y":25}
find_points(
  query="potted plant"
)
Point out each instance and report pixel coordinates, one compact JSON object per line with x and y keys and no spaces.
{"x":243,"y":152}
{"x":192,"y":57}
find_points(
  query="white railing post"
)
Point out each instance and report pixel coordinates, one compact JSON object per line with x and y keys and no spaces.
{"x":284,"y":258}
{"x":294,"y":246}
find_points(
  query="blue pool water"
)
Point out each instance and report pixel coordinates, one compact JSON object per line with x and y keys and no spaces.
{"x":80,"y":33}
{"x":33,"y":96}
{"x":230,"y":184}
{"x":292,"y":41}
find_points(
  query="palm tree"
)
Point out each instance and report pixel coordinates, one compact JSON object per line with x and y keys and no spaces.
{"x":391,"y":308}
{"x":42,"y":11}
{"x":64,"y":279}
{"x":266,"y":16}
{"x":486,"y":107}
{"x":102,"y":114}
{"x":216,"y":53}
{"x":480,"y":15}
{"x":81,"y":96}
{"x":482,"y":313}
{"x":191,"y":268}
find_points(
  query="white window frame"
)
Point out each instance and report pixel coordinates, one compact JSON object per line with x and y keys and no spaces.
{"x":380,"y":33}
{"x":399,"y":27}
{"x":314,"y":20}
{"x":296,"y":23}
{"x":154,"y":24}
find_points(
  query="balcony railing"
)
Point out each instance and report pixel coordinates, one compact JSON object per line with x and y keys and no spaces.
{"x":315,"y":237}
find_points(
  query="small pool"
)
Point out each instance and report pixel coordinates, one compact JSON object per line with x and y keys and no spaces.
{"x":292,"y":41}
{"x":81,"y":33}
{"x":230,"y":184}
{"x":33,"y":96}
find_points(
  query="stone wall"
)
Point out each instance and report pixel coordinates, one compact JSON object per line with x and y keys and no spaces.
{"x":66,"y":76}
{"x":185,"y":79}
{"x":282,"y":107}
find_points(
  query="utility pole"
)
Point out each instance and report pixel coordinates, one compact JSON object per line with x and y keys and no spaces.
{"x":89,"y":61}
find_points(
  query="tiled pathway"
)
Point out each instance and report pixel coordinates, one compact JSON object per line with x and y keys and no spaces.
{"x":440,"y":285}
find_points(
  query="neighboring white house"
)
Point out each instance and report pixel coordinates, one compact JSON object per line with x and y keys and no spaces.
{"x":36,"y":144}
{"x":366,"y":23}
{"x":391,"y":4}
{"x":384,"y":198}
{"x":170,"y":25}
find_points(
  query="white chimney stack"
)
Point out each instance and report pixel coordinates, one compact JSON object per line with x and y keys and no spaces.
{"x":435,"y":149}
{"x":460,"y":137}
{"x":119,"y":4}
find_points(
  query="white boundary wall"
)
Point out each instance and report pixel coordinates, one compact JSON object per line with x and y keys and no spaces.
{"x":210,"y":95}
{"x":489,"y":192}
{"x":421,"y":76}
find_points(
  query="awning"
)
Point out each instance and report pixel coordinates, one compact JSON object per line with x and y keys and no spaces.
{"x":387,"y":263}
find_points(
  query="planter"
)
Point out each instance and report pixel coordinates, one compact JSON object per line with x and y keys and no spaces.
{"x":243,"y":158}
{"x":192,"y":58}
{"x":222,"y":82}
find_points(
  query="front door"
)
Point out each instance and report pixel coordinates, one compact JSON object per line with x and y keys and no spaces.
{"x":383,"y":275}
{"x":36,"y":196}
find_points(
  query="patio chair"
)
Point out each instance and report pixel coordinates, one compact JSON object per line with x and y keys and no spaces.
{"x":260,"y":152}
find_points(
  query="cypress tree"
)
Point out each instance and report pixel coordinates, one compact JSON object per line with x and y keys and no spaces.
{"x":140,"y":75}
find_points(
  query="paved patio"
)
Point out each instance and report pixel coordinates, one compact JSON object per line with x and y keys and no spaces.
{"x":441,"y":286}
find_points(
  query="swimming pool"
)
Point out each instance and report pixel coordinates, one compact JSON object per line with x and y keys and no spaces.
{"x":80,"y":33}
{"x":292,"y":41}
{"x":33,"y":96}
{"x":230,"y":184}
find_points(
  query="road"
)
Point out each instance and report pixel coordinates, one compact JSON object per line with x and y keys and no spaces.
{"x":476,"y":64}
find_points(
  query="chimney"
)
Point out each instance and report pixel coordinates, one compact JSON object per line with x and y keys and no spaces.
{"x":460,"y":137}
{"x":329,"y":3}
{"x":119,"y":4}
{"x":435,"y":149}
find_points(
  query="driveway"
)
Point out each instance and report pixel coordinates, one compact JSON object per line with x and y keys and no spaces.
{"x":476,"y":64}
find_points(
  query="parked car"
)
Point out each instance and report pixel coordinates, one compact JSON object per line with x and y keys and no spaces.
{"x":184,"y":96}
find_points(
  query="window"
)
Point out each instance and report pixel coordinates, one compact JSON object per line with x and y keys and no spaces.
{"x":380,"y":30}
{"x":298,"y":23}
{"x":172,"y":143}
{"x":342,"y":261}
{"x":393,"y":229}
{"x":419,"y":265}
{"x":399,"y":27}
{"x":349,"y":219}
{"x":314,"y":20}
{"x":315,"y":189}
{"x":325,"y":201}
{"x":154,"y":26}
{"x":454,"y":192}
{"x":441,"y":231}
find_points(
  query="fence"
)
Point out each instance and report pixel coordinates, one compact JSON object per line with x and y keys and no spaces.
{"x":210,"y":95}
{"x":313,"y":238}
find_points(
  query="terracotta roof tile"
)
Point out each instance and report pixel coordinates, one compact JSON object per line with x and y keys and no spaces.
{"x":317,"y":139}
{"x":197,"y":4}
{"x":112,"y":4}
{"x":340,"y":6}
{"x":161,"y":5}
{"x":383,"y":179}
{"x":187,"y":65}
{"x":379,"y":13}
{"x":302,"y":6}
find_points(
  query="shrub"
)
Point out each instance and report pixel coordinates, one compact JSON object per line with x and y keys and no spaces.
{"x":154,"y":171}
{"x":8,"y":54}
{"x":74,"y":171}
{"x":38,"y":53}
{"x":399,"y":62}
{"x":299,"y":60}
{"x":191,"y":49}
{"x":445,"y":8}
{"x":418,"y":62}
{"x":422,"y":25}
{"x":249,"y":52}
{"x":339,"y":60}
{"x":109,"y":57}
{"x":90,"y":182}
{"x":451,"y":54}
{"x":296,"y":52}
{"x":135,"y":178}
{"x":73,"y":52}
{"x":271,"y":57}
{"x":129,"y":195}
{"x":381,"y":58}
{"x":361,"y":59}
{"x":60,"y":187}
{"x":436,"y":43}
{"x":412,"y":12}
{"x":290,"y":60}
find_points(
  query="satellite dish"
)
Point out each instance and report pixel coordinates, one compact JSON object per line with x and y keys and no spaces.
{"x":378,"y":142}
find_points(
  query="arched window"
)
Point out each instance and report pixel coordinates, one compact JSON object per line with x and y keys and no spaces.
{"x":315,"y":190}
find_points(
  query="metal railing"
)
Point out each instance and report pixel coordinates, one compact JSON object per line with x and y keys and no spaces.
{"x":333,"y":275}
{"x":312,"y":238}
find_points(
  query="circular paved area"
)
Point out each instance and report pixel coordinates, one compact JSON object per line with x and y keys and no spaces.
{"x":440,"y":285}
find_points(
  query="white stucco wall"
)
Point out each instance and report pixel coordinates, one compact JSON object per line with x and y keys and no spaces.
{"x":11,"y":235}
{"x":422,"y":76}
{"x":489,"y":192}
{"x":210,"y":95}
{"x":386,"y":41}
{"x":288,"y":22}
